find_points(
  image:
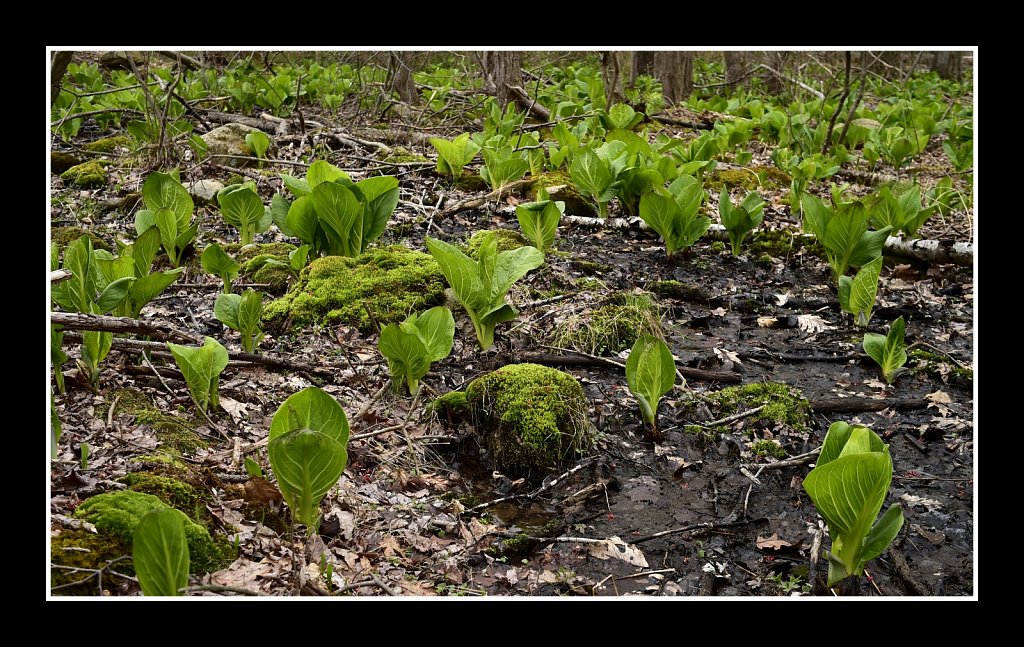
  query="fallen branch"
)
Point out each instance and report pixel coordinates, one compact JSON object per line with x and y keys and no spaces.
{"x":476,"y":203}
{"x":220,"y":588}
{"x":708,"y":525}
{"x":188,"y":61}
{"x":81,"y":321}
{"x":529,"y":103}
{"x":239,"y":360}
{"x":928,"y":251}
{"x":861,"y":405}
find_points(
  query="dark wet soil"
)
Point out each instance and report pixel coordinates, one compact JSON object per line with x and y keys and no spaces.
{"x":696,"y":515}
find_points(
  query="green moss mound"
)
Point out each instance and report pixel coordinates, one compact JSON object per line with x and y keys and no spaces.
{"x":87,"y":174}
{"x":81,"y":549}
{"x":256,"y":264}
{"x":469,"y":181}
{"x":385,"y":284}
{"x":118,"y":513}
{"x":64,"y":236}
{"x":534,"y":418}
{"x":612,"y":327}
{"x":507,"y":240}
{"x":754,"y":177}
{"x":61,"y":161}
{"x":782,"y":404}
{"x":108,"y":144}
{"x":175,"y":493}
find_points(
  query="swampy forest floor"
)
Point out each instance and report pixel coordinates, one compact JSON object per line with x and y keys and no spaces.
{"x":418,"y":511}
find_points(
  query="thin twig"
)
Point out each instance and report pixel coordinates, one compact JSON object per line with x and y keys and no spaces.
{"x":220,"y":588}
{"x":708,"y":525}
{"x":733,"y":418}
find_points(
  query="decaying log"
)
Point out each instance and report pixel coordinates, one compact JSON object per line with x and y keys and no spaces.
{"x":524,"y":100}
{"x":234,"y":359}
{"x":159,"y":330}
{"x":476,"y":203}
{"x":926,"y":251}
{"x":861,"y":405}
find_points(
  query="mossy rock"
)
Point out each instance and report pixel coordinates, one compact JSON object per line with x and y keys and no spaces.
{"x":533,"y":418}
{"x":507,"y":239}
{"x":174,"y":492}
{"x":471,"y":182}
{"x":673,"y":289}
{"x":589,"y":267}
{"x":64,"y":236}
{"x":610,"y":328}
{"x":91,"y":550}
{"x":61,"y":161}
{"x":87,"y":175}
{"x":560,"y":187}
{"x":118,"y":513}
{"x":782,"y":404}
{"x":108,"y":144}
{"x":450,"y":407}
{"x":750,"y":178}
{"x":229,"y":140}
{"x":387,"y":282}
{"x":255,"y":266}
{"x":401,"y":155}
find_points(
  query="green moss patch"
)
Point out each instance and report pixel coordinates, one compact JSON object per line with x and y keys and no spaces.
{"x":471,"y":182}
{"x":610,"y":328}
{"x":402,"y":155}
{"x":108,"y":144}
{"x":64,"y":236}
{"x":781,"y":404}
{"x":61,"y":161}
{"x":175,"y":493}
{"x":87,"y":174}
{"x":507,"y":239}
{"x":175,"y":433}
{"x":265,"y":263}
{"x":385,"y":284}
{"x":118,"y":513}
{"x":533,"y":418}
{"x":82,"y":549}
{"x":754,"y":177}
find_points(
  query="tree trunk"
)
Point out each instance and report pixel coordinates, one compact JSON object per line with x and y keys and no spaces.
{"x":401,"y":77}
{"x":675,"y":71}
{"x":642,"y":64}
{"x":737,"y":69}
{"x":610,"y":72}
{"x":58,"y":66}
{"x":502,"y":70}
{"x":774,"y":82}
{"x":947,"y":64}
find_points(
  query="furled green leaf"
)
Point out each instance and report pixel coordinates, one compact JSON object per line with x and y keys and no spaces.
{"x":217,"y":262}
{"x":848,"y":487}
{"x":259,"y":142}
{"x":592,"y":176}
{"x":55,"y":430}
{"x":77,"y":293}
{"x":480,"y":285}
{"x":340,"y":214}
{"x":741,"y":220}
{"x":302,"y":221}
{"x":321,"y":171}
{"x":673,"y":213}
{"x":279,"y":206}
{"x":242,"y":313}
{"x":114,"y":293}
{"x":500,"y":173}
{"x":57,"y":355}
{"x":201,"y":367}
{"x":163,"y":191}
{"x":147,"y":288}
{"x":252,"y":468}
{"x":144,"y":250}
{"x":857,"y":295}
{"x":297,"y":257}
{"x":539,"y":222}
{"x":437,"y":330}
{"x":243,"y":209}
{"x":889,"y":351}
{"x":650,"y":373}
{"x":882,"y":533}
{"x":160,"y":553}
{"x":308,"y":439}
{"x":453,"y":155}
{"x":307,"y":465}
{"x":380,"y":197}
{"x":311,"y":408}
{"x":298,"y":186}
{"x":406,"y":355}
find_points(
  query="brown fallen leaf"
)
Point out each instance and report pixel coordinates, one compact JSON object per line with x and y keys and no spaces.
{"x":772,"y":543}
{"x":260,"y":490}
